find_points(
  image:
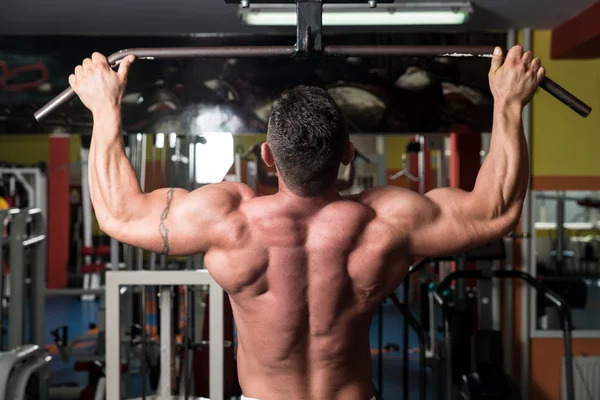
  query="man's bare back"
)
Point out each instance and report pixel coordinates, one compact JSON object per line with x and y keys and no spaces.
{"x":307,"y":279}
{"x":305,"y":268}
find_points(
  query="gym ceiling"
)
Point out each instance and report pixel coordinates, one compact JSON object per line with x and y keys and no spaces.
{"x":176,"y":17}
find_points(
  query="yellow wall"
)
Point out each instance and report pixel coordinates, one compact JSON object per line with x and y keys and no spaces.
{"x":565,"y":144}
{"x":565,"y":150}
{"x":32,"y":149}
{"x":395,"y":146}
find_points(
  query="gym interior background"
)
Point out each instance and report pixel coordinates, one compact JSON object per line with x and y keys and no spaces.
{"x":420,"y":122}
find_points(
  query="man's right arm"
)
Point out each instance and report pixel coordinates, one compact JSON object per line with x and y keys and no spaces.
{"x":447,"y":221}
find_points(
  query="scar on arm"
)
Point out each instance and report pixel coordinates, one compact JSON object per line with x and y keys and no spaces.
{"x":162,"y":228}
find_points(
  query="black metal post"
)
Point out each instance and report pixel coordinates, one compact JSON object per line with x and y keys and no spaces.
{"x":405,"y":323}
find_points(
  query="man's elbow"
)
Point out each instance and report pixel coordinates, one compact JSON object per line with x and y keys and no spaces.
{"x":511,"y":219}
{"x":110,"y":226}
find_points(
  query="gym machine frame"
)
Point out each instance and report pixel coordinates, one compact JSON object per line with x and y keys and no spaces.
{"x":560,"y":304}
{"x":164,"y":279}
{"x":309,"y":41}
{"x":18,"y":241}
{"x":36,"y":188}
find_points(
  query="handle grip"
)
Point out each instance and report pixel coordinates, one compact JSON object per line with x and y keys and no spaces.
{"x":66,"y":95}
{"x":170,"y":53}
{"x":565,"y":97}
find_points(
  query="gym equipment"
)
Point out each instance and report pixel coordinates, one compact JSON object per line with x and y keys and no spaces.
{"x":459,"y":321}
{"x":33,"y":181}
{"x":26,"y":234}
{"x":200,"y":356}
{"x":309,"y":40}
{"x":91,"y":273}
{"x":23,"y":373}
{"x":489,"y":378}
{"x":5,"y":220}
{"x":562,"y":259}
{"x":17,"y":369}
{"x":164,"y":279}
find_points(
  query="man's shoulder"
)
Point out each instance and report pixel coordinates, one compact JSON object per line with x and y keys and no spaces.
{"x":378,"y":196}
{"x":222,"y":198}
{"x":235,"y":189}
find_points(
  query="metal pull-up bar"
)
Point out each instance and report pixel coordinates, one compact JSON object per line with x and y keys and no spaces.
{"x":309,"y":41}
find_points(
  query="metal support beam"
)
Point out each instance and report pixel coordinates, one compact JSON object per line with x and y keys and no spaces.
{"x":16,"y":307}
{"x":165,"y":339}
{"x":309,"y":26}
{"x":527,"y":255}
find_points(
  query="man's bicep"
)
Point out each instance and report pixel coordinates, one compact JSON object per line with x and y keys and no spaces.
{"x":177,"y":222}
{"x":152,"y":221}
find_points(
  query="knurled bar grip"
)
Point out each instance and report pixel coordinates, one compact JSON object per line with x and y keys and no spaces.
{"x":547,"y":84}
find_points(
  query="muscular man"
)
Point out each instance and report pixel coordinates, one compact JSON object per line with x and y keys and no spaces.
{"x":306,"y":268}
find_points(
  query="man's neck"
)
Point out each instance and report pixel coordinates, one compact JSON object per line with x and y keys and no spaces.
{"x":288,"y":196}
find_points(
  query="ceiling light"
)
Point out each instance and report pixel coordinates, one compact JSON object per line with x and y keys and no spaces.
{"x":359,"y":15}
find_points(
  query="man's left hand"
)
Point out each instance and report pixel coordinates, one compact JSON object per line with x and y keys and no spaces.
{"x":97,"y":85}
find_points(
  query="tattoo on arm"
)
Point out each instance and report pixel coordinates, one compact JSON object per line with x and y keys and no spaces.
{"x":162,"y":228}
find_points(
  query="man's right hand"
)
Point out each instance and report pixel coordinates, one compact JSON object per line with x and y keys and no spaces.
{"x":514,"y":83}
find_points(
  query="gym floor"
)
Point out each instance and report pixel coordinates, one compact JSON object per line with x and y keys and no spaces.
{"x":77,"y":315}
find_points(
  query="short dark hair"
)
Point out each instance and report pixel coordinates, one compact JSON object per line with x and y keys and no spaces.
{"x":307,"y":135}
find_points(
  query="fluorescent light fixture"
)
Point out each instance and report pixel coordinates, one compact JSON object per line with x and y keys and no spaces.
{"x":439,"y":13}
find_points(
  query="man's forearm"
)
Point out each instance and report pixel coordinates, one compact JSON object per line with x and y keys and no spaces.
{"x":113,"y":182}
{"x":502,"y":181}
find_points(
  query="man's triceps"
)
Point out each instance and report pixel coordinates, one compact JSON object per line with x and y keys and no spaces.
{"x":162,"y":227}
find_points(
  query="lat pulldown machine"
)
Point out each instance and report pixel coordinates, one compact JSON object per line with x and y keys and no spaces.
{"x":309,"y":42}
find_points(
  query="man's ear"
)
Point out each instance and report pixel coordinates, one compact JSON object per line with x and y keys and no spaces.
{"x":348,"y":154}
{"x":266,"y":154}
